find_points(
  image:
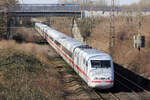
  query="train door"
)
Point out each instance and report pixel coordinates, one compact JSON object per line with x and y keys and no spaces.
{"x":86,"y":67}
{"x":86,"y":70}
{"x":76,"y":60}
{"x":42,"y":32}
{"x":45,"y":34}
{"x":80,"y":65}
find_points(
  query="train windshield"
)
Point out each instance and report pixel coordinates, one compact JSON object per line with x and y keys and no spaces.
{"x":100,"y":63}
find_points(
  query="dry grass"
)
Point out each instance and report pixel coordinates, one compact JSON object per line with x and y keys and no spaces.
{"x":26,"y":73}
{"x":23,"y":34}
{"x":62,"y":24}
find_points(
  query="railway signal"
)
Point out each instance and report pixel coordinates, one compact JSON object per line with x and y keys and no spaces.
{"x":139,"y":39}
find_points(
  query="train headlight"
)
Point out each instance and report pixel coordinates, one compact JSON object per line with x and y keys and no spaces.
{"x":109,"y":78}
{"x":96,"y":78}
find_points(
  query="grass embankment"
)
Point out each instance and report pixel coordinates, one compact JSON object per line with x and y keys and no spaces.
{"x":26,"y":73}
{"x":62,"y":24}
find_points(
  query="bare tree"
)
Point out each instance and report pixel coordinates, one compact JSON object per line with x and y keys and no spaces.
{"x":4,"y":17}
{"x":97,"y":3}
{"x":8,"y":2}
{"x":144,"y":3}
{"x":100,"y":3}
{"x":75,"y":1}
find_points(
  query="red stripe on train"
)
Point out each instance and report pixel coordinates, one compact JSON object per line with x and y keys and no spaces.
{"x":102,"y":81}
{"x":76,"y":65}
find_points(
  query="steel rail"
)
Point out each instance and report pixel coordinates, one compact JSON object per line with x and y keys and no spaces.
{"x":99,"y":95}
{"x":133,"y":83}
{"x":114,"y":96}
{"x":127,"y":87}
{"x":102,"y":98}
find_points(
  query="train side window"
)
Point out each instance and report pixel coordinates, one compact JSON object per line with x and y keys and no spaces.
{"x":66,"y":51}
{"x":51,"y":38}
{"x":46,"y":36}
{"x":86,"y":64}
{"x":75,"y":53}
{"x":78,"y":60}
{"x":84,"y":61}
{"x":57,"y":43}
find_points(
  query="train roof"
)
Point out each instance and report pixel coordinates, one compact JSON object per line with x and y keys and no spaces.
{"x":63,"y":39}
{"x":70,"y":43}
{"x":89,"y":53}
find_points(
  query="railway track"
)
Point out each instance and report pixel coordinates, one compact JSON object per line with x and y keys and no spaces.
{"x":128,"y":90}
{"x":108,"y":96}
{"x":134,"y":88}
{"x":124,"y":89}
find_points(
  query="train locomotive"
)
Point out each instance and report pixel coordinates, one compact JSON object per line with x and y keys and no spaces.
{"x":93,"y":66}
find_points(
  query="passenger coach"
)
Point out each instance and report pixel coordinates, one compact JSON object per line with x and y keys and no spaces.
{"x":93,"y":66}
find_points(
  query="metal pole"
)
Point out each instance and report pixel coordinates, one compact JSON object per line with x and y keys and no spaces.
{"x":112,"y":26}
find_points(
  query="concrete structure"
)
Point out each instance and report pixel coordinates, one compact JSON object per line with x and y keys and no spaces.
{"x":69,"y":10}
{"x":42,"y":10}
{"x":94,"y":14}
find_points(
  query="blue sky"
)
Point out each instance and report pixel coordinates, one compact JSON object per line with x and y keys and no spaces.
{"x":57,"y":1}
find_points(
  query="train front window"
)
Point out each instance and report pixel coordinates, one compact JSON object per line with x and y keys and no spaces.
{"x":100,"y":63}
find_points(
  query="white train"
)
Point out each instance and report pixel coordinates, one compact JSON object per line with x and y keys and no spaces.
{"x":93,"y":66}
